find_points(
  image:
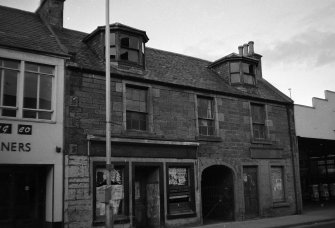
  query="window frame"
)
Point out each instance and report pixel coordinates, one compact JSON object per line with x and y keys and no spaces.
{"x":191,"y":186}
{"x":118,"y":218}
{"x":284,"y":191}
{"x":253,"y":123}
{"x":146,"y":113}
{"x":213,"y":119}
{"x":242,"y":74}
{"x":20,"y":90}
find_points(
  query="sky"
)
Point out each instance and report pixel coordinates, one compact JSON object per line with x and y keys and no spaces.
{"x":295,"y":37}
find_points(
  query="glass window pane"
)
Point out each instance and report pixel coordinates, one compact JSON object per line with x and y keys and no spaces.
{"x":134,"y":43}
{"x":248,"y":79}
{"x":235,"y":78}
{"x":234,"y":67}
{"x":30,"y":114}
{"x":113,"y":53}
{"x":125,"y":42}
{"x":10,"y":88}
{"x":124,"y":54}
{"x":30,"y":90}
{"x":31,"y":67}
{"x":47,"y":69}
{"x":44,"y":115}
{"x":136,"y":120}
{"x":45,"y":92}
{"x":205,"y":108}
{"x":133,"y":56}
{"x":11,"y":64}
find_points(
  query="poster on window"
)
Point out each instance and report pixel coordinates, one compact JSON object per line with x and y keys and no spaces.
{"x":117,"y":190}
{"x":177,"y":176}
{"x":277,"y":184}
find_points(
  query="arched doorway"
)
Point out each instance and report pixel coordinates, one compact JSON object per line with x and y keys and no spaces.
{"x":217,"y":187}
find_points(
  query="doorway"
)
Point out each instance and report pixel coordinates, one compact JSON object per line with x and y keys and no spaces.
{"x":250,"y":183}
{"x":148,"y":204}
{"x":22,"y":197}
{"x":217,"y":194}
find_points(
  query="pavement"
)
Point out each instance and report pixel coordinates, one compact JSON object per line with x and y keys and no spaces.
{"x":312,"y":214}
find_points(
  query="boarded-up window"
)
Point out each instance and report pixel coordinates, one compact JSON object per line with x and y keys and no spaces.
{"x":278,"y":193}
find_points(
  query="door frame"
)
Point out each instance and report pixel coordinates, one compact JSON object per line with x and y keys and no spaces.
{"x":160,"y":167}
{"x":258,"y":188}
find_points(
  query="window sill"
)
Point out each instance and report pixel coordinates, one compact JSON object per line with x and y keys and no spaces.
{"x":264,"y":141}
{"x":27,"y":120}
{"x":280,"y":204}
{"x":118,"y":220}
{"x":208,"y":138}
{"x":182,"y":215}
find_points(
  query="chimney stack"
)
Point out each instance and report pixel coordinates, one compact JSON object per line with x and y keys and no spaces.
{"x":240,"y":50}
{"x":245,"y":49}
{"x":251,"y":47}
{"x":52,"y":12}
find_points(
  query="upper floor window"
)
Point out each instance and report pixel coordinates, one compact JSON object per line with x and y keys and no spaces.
{"x":241,"y":72}
{"x":26,"y":93}
{"x":136,"y":108}
{"x":258,"y":121}
{"x":130,"y":48}
{"x":9,"y":75}
{"x":206,"y":116}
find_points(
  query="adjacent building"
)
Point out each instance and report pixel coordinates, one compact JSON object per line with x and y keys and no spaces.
{"x":31,"y":121}
{"x":315,"y":128}
{"x":192,"y":141}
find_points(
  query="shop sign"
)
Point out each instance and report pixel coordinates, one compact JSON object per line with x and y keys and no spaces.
{"x":24,"y":129}
{"x":5,"y":128}
{"x":177,"y":176}
{"x":15,"y":147}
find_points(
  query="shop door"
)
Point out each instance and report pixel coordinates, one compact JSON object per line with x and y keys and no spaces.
{"x":250,"y":192}
{"x":22,"y":197}
{"x":147,"y":197}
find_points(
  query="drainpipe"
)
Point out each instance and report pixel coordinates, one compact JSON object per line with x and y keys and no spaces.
{"x":295,"y":158}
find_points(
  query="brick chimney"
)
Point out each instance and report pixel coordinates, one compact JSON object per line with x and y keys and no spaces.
{"x":52,"y":12}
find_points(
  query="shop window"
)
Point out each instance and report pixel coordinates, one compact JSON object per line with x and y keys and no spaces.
{"x":180,"y":179}
{"x":206,"y":121}
{"x":277,"y":179}
{"x":136,"y":108}
{"x":9,"y":74}
{"x":119,"y":195}
{"x":35,"y":93}
{"x":258,"y":121}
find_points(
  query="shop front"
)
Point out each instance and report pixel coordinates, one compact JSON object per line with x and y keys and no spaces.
{"x":153,"y":182}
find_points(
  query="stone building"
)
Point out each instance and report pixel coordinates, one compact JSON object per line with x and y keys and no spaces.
{"x":316,"y":148}
{"x":192,"y":141}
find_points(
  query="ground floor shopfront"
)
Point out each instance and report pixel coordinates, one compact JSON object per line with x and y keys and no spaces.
{"x":165,"y":184}
{"x":317,"y":169}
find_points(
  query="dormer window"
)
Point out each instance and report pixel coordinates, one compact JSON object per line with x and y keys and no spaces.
{"x":126,"y":48}
{"x":242,"y":73}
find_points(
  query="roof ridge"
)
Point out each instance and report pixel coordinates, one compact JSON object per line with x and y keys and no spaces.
{"x":183,"y":55}
{"x":16,"y":9}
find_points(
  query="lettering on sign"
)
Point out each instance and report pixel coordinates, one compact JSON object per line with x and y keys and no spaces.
{"x":15,"y":147}
{"x":24,"y":129}
{"x":5,"y":128}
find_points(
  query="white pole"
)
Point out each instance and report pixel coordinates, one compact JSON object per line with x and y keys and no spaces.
{"x":109,"y":213}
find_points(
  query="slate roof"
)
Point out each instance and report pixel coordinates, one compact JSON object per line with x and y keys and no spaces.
{"x":26,"y":30}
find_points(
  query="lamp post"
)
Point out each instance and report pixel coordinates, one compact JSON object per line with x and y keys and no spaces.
{"x":109,"y":223}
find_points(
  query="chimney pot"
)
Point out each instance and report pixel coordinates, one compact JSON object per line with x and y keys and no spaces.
{"x":240,"y":50}
{"x":251,"y":47}
{"x":245,"y":49}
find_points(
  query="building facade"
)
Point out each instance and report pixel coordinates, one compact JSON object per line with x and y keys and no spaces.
{"x":192,"y":141}
{"x":316,"y":148}
{"x":31,"y":122}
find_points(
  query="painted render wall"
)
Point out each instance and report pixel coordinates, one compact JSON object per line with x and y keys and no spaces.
{"x":317,"y":121}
